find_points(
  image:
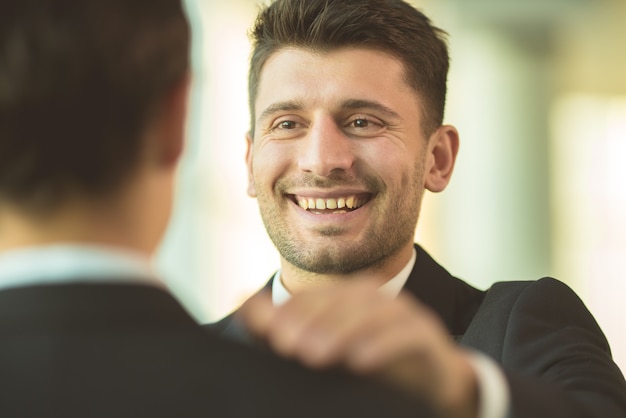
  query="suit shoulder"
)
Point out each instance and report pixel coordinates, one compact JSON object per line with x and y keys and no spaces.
{"x":546,"y":295}
{"x":556,"y":300}
{"x":546,"y":291}
{"x":541,"y":288}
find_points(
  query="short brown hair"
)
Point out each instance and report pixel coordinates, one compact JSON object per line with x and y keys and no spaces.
{"x":392,"y":26}
{"x":79,"y":79}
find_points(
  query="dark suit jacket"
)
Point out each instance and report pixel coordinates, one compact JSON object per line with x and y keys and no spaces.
{"x":130,"y":350}
{"x":557,"y":361}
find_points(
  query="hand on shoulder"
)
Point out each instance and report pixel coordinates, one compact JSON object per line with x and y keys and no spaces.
{"x":353,"y":325}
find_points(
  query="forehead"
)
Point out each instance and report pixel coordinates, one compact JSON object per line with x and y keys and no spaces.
{"x":321,"y":78}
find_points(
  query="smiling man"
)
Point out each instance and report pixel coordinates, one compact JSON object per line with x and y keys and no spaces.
{"x":347,"y":100}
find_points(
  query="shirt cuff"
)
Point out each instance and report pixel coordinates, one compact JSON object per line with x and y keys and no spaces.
{"x":494,"y":397}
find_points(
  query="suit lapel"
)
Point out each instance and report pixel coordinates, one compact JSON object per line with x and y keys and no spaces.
{"x":452,"y":299}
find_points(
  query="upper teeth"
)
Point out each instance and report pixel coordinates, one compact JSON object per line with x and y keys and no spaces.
{"x":350,"y":202}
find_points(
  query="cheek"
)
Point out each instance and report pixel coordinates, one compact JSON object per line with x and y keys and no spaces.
{"x":395,"y":167}
{"x":406,"y":176}
{"x":264,"y":175}
{"x":271,"y":161}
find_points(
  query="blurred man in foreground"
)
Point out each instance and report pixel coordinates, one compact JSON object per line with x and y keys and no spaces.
{"x":347,"y":100}
{"x":93,"y":97}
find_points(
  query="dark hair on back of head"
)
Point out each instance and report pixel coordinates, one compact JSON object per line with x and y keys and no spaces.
{"x":392,"y":26}
{"x":79,"y":81}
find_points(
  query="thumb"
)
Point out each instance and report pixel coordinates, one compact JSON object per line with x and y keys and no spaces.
{"x":257,"y":313}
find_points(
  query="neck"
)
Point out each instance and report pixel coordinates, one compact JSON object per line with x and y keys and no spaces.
{"x":297,"y":280}
{"x":77,"y":223}
{"x":124,"y":219}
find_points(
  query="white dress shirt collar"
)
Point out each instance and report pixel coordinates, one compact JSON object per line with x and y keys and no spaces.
{"x":392,"y":288}
{"x":72,"y":263}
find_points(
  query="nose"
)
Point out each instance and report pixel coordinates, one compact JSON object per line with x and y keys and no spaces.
{"x":326,"y":148}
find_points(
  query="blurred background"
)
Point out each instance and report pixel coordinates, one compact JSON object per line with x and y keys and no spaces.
{"x":537,"y":90}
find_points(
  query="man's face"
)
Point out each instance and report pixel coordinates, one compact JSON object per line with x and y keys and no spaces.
{"x":338,"y":158}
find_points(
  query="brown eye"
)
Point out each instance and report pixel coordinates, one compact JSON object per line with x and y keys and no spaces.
{"x":287,"y":127}
{"x":360,"y":123}
{"x":364,"y":126}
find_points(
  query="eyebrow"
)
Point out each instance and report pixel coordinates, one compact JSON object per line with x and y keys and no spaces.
{"x":280,"y":107}
{"x":353,"y":104}
{"x":356,"y":104}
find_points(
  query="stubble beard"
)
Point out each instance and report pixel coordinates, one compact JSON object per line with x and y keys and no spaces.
{"x":331,"y":254}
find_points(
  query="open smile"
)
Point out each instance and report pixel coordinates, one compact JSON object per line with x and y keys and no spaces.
{"x":334,"y":205}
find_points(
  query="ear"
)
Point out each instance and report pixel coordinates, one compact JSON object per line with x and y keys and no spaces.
{"x":249,"y":152}
{"x":173,"y":119}
{"x":443,"y":147}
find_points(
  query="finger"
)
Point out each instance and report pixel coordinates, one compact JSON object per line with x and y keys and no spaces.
{"x":405,"y":328}
{"x":292,"y":322}
{"x":312,"y":325}
{"x":258,"y":313}
{"x":380,"y":350}
{"x":349,"y":314}
{"x":354,"y":312}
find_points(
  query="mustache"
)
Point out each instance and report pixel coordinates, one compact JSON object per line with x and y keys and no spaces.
{"x":333,"y":180}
